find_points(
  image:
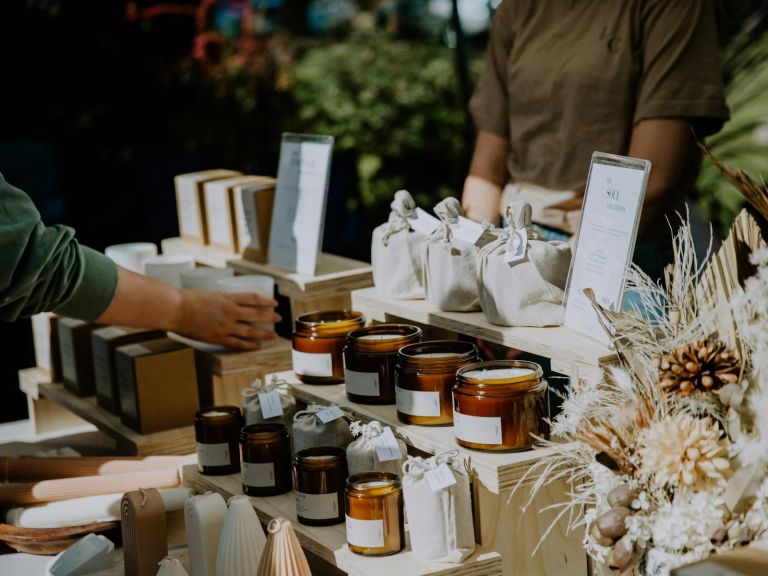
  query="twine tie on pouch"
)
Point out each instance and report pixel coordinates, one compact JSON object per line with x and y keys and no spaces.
{"x":403,"y":207}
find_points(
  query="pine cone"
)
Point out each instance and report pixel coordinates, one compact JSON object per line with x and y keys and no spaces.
{"x":706,"y":365}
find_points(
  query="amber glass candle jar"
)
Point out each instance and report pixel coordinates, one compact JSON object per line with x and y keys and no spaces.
{"x":374,"y":505}
{"x":369,"y":361}
{"x":424,"y":377}
{"x":265,"y":459}
{"x":217,"y":431}
{"x":499,"y":405}
{"x":318,"y":344}
{"x":319,"y":476}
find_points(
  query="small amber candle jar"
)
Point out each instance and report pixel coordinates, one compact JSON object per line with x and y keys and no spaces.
{"x":318,"y":343}
{"x":375,"y":514}
{"x":499,"y":405}
{"x":265,"y":459}
{"x":217,"y":430}
{"x":369,"y":361}
{"x":319,"y":476}
{"x":424,"y":377}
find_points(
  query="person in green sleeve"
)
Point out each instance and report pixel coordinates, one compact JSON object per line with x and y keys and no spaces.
{"x":45,"y":269}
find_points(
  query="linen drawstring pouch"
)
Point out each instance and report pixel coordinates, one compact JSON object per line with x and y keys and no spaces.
{"x":361,"y":453}
{"x":450,"y":263}
{"x":309,"y":431}
{"x":396,"y":253}
{"x":522,"y":278}
{"x":439,"y":522}
{"x":252,"y":410}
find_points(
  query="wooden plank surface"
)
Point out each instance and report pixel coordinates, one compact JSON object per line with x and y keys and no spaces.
{"x":497,"y":472}
{"x":45,"y":415}
{"x":205,"y":255}
{"x":334,"y":274}
{"x":574,"y":354}
{"x":176,"y":441}
{"x":274,"y":355}
{"x":329,"y":542}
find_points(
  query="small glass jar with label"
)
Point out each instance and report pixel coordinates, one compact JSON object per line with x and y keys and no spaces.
{"x":374,"y":510}
{"x":265,"y":459}
{"x":500,"y":405}
{"x":369,"y":361}
{"x":318,"y":344}
{"x":319,"y":476}
{"x":217,"y":431}
{"x":424,"y":377}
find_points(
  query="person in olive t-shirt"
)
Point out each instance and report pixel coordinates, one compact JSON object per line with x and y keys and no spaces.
{"x":564,"y":78}
{"x":44,"y":269}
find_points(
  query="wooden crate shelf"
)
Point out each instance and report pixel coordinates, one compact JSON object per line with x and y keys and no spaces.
{"x":329,"y":542}
{"x":176,"y":441}
{"x":203,"y":255}
{"x":46,"y":415}
{"x":571,"y":353}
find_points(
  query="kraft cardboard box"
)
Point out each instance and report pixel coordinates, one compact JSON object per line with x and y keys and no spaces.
{"x":158,"y":385}
{"x":229,"y":202}
{"x":45,"y":333}
{"x":748,"y":561}
{"x":104,"y":341}
{"x":190,"y":202}
{"x":77,"y":355}
{"x":253,"y":211}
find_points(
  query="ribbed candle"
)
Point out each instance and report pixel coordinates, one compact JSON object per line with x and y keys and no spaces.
{"x":283,"y":555}
{"x":144,"y":532}
{"x":171,"y":567}
{"x":204,"y":516}
{"x":242,"y":540}
{"x":53,"y":490}
{"x":35,"y":469}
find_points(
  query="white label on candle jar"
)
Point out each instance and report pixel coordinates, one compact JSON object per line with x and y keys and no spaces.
{"x":362,"y":383}
{"x":417,"y":403}
{"x":317,"y":506}
{"x":309,"y":364}
{"x":270,"y":404}
{"x":477,"y":429}
{"x":261,"y":475}
{"x":365,"y":533}
{"x":213,"y":454}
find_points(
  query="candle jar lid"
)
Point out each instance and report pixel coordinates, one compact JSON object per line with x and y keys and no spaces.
{"x":321,"y":458}
{"x":267,"y":433}
{"x":372,"y":484}
{"x":218,"y":415}
{"x":437,"y":356}
{"x":328,"y":324}
{"x":501,"y":378}
{"x":383,"y":338}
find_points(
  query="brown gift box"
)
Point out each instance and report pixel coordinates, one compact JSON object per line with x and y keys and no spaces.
{"x":104,"y":341}
{"x":741,"y":562}
{"x":190,"y":202}
{"x":158,"y":385}
{"x":77,"y":355}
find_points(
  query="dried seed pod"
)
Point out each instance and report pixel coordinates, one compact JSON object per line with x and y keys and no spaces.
{"x":594,"y":531}
{"x":612,"y":523}
{"x":622,"y":555}
{"x":731,"y":395}
{"x":719,"y":536}
{"x":622,"y":495}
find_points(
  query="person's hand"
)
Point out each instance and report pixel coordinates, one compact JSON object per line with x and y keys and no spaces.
{"x":225,"y":319}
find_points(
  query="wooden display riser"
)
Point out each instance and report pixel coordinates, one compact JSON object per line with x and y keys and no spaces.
{"x":176,"y":441}
{"x":328,"y":290}
{"x":503,"y":526}
{"x":329,"y":542}
{"x":203,"y":255}
{"x":571,"y":353}
{"x":45,"y":415}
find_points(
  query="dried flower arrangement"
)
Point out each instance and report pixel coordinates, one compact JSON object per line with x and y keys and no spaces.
{"x":667,"y":455}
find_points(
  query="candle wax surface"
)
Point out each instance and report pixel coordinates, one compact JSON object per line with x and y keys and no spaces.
{"x":437,"y":355}
{"x":374,"y":484}
{"x":319,"y":458}
{"x":498,"y":373}
{"x":216,"y":413}
{"x":381,"y":336}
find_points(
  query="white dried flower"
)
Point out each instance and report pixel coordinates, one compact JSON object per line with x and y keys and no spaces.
{"x":688,"y":522}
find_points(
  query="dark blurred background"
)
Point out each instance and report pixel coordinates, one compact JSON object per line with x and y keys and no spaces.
{"x":103,"y":102}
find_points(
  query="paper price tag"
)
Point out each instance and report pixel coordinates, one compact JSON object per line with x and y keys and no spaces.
{"x":330,"y":414}
{"x":423,"y":222}
{"x":519,"y":246}
{"x":467,"y":231}
{"x":440,"y":478}
{"x":270,"y":404}
{"x":386,"y":446}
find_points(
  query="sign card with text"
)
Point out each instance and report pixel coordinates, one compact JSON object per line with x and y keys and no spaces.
{"x":298,"y":216}
{"x":610,"y":217}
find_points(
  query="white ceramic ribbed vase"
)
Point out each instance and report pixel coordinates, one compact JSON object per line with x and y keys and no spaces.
{"x":242,"y":540}
{"x":171,"y":567}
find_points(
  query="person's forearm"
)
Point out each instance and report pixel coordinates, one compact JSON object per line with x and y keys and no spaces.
{"x":480,"y":200}
{"x":487,"y":176}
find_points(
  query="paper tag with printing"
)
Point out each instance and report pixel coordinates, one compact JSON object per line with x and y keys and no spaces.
{"x":386,"y":446}
{"x":330,"y":414}
{"x":519,"y":245}
{"x":440,"y":478}
{"x":270,"y":404}
{"x":467,"y":230}
{"x":424,"y":222}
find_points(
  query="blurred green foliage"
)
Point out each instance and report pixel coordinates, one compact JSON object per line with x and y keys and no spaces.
{"x":743,"y":141}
